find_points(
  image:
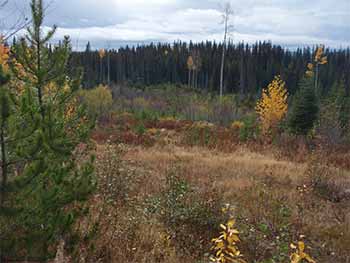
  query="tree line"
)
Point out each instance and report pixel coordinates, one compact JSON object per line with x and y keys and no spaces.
{"x":248,"y":68}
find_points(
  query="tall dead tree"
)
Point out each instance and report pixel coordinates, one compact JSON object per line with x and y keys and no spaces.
{"x":227,"y":14}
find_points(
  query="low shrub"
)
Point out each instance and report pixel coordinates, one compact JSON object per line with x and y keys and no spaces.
{"x":98,"y":102}
{"x":265,"y":224}
{"x":189,"y":217}
{"x":329,"y":183}
{"x":200,"y":133}
{"x":250,"y":128}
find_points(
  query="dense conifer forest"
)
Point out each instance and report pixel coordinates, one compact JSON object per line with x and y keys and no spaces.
{"x":248,"y":68}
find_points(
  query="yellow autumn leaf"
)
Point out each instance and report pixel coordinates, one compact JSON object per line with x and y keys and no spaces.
{"x":223,"y":227}
{"x":323,"y":61}
{"x":301,"y":246}
{"x":231,"y":223}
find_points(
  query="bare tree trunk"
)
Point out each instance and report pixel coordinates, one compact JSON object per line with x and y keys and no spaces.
{"x":194,"y":79}
{"x":316,"y":78}
{"x":242,"y":74}
{"x":109,"y":68}
{"x":4,"y":172}
{"x":4,"y":166}
{"x":223,"y":58}
{"x":101,"y":73}
{"x":39,"y":80}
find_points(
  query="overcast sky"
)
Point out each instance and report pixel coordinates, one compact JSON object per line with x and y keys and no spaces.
{"x":118,"y":22}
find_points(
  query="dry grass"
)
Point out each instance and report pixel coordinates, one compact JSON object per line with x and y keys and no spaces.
{"x":228,"y":171}
{"x":274,"y":201}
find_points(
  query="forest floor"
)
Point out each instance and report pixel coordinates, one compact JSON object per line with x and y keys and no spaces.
{"x":160,"y":200}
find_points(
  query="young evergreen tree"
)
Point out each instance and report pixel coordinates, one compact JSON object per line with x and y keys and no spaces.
{"x":341,"y":102}
{"x":305,"y":108}
{"x":47,"y":125}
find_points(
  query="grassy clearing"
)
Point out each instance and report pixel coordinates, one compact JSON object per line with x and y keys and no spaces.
{"x":163,"y":204}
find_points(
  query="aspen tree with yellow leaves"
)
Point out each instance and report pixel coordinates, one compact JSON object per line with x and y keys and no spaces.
{"x":194,"y":64}
{"x":273,"y":106}
{"x":190,"y":65}
{"x":101,"y":54}
{"x":313,"y":68}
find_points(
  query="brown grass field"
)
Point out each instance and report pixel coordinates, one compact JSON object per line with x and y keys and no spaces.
{"x":276,"y":198}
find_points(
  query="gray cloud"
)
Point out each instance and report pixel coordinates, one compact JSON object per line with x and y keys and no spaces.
{"x":117,"y":22}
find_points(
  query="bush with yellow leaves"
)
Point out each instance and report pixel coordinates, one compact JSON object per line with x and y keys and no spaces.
{"x":273,"y":106}
{"x":299,"y":255}
{"x":237,"y":125}
{"x":225,"y":246}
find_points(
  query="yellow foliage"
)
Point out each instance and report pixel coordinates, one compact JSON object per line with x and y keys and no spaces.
{"x":225,"y":246}
{"x":71,"y":110}
{"x":299,"y":255}
{"x":4,"y":56}
{"x":5,"y":60}
{"x":237,"y":125}
{"x":273,"y":106}
{"x":319,"y":56}
{"x":319,"y":59}
{"x":102,"y":53}
{"x":190,"y":63}
{"x":153,"y":131}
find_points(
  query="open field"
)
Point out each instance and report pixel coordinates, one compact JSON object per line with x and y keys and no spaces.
{"x":162,"y":202}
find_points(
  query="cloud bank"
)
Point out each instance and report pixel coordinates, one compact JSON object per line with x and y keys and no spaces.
{"x":112,"y":23}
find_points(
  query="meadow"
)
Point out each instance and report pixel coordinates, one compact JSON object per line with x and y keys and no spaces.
{"x":167,"y":182}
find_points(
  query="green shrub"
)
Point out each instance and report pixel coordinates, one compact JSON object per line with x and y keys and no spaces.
{"x":190,"y":218}
{"x":147,"y":115}
{"x":98,"y":101}
{"x":250,"y":128}
{"x":140,"y":129}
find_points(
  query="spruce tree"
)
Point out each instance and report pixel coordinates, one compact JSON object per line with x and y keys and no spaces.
{"x":48,"y":125}
{"x":305,"y":108}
